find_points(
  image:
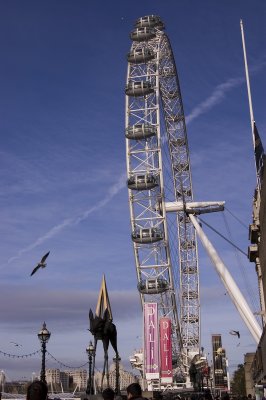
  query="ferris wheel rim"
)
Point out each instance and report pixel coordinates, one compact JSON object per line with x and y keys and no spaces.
{"x":145,"y":235}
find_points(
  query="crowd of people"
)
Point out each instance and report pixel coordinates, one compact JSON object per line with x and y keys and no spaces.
{"x":38,"y":390}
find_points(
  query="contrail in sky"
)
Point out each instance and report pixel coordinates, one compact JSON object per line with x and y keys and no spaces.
{"x":219,"y":93}
{"x":113,"y":190}
{"x":216,"y":96}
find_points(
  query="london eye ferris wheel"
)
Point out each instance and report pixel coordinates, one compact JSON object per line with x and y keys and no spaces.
{"x":162,"y":209}
{"x":158,"y":169}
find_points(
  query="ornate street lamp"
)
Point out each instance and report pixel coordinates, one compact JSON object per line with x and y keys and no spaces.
{"x":90,"y":351}
{"x":116,"y":360}
{"x":44,"y":336}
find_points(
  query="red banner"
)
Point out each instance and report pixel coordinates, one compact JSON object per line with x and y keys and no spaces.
{"x":151,"y":342}
{"x":166,"y":350}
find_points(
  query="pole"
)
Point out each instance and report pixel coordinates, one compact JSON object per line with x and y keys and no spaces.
{"x":248,"y":83}
{"x":89,"y":383}
{"x":252,"y":121}
{"x":90,"y":361}
{"x":43,"y":378}
{"x":92,"y":375}
{"x":229,"y":283}
{"x":117,"y":375}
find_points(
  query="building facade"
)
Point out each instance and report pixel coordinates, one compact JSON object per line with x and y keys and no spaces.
{"x":2,"y":381}
{"x":125,"y":378}
{"x":71,"y":379}
{"x":53,"y":379}
{"x":257,"y":254}
{"x":248,"y":365}
{"x":77,"y":378}
{"x":64,"y":378}
{"x":220,"y":374}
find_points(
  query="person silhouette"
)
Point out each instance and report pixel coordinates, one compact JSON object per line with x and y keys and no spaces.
{"x":37,"y":390}
{"x":108,"y":394}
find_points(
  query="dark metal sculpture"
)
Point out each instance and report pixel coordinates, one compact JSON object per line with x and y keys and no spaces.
{"x":102,"y":328}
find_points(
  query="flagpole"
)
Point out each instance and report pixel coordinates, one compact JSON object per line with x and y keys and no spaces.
{"x":248,"y":83}
{"x":252,"y":122}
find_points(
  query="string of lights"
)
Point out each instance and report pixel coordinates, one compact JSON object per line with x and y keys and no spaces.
{"x":19,"y":356}
{"x":64,"y":365}
{"x":38,"y":351}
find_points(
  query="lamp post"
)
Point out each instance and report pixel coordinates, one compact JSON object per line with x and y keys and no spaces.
{"x":90,"y":351}
{"x":116,"y":359}
{"x":44,"y":336}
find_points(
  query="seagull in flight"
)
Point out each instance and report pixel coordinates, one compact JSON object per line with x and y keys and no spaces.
{"x":41,"y":263}
{"x":16,"y":344}
{"x":236,"y":333}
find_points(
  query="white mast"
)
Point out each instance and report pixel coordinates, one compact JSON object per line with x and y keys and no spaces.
{"x":248,"y":83}
{"x":252,"y":121}
{"x":229,"y":283}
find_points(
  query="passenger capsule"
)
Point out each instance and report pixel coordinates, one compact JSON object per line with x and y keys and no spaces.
{"x":139,"y":88}
{"x":147,"y":235}
{"x":150,"y":21}
{"x":142,"y":182}
{"x":140,"y":131}
{"x":140,"y":55}
{"x":153,"y":286}
{"x":142,"y":34}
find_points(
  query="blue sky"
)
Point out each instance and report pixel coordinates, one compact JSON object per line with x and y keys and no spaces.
{"x":62,"y":78}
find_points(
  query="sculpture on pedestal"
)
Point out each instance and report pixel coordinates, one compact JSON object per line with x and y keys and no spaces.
{"x":102,"y":328}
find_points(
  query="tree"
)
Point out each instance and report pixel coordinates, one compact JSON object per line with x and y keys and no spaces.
{"x":238,"y":383}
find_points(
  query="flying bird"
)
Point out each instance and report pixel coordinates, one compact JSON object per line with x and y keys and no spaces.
{"x":41,"y":264}
{"x":235,"y":333}
{"x":16,"y":344}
